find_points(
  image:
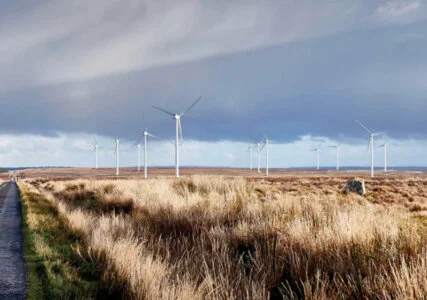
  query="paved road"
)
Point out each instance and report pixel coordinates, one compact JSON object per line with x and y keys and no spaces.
{"x":12,"y":264}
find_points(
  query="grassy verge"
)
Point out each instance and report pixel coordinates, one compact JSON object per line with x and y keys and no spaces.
{"x":56,"y":270}
{"x":34,"y":264}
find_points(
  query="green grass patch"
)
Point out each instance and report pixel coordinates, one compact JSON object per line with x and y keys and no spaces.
{"x":33,"y":262}
{"x":55,"y":269}
{"x":421,"y":221}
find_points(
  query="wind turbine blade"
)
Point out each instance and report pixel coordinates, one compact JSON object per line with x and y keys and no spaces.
{"x":94,"y":139}
{"x":163,"y":110}
{"x":154,"y":136}
{"x":363,"y":126}
{"x":378,"y":133}
{"x":191,"y":106}
{"x":262,"y":147}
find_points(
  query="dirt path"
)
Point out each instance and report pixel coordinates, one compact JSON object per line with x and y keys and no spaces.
{"x":12,"y":264}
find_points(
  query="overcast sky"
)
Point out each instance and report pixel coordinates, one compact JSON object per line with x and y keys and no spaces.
{"x":297,"y":71}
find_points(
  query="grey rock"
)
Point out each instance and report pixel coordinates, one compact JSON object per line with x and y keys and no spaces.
{"x":355,"y":186}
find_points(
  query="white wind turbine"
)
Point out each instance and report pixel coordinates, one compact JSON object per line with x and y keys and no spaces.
{"x":250,"y":151}
{"x":338,"y":154}
{"x":117,"y":150}
{"x":317,"y":149}
{"x":371,"y":144}
{"x":266,"y":143}
{"x":146,"y":134}
{"x":95,"y":149}
{"x":258,"y":156}
{"x":178,"y":130}
{"x":385,"y":155}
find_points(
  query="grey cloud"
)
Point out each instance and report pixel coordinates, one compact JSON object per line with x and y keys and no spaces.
{"x":99,"y":73}
{"x":77,"y":40}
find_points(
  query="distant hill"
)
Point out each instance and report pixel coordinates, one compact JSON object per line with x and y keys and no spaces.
{"x":5,"y":169}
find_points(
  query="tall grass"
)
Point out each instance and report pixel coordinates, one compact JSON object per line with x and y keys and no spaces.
{"x":209,"y":237}
{"x":55,"y":269}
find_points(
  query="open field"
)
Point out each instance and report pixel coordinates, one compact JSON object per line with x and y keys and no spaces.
{"x":216,"y":237}
{"x":67,"y":173}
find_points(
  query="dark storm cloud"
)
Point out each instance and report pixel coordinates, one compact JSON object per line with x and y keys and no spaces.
{"x":317,"y":85}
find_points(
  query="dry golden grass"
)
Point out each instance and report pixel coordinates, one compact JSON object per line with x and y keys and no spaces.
{"x":213,"y":237}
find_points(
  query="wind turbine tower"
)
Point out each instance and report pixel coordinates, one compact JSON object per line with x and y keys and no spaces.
{"x":258,"y":156}
{"x":338,"y":155}
{"x":317,"y":149}
{"x":145,"y":153}
{"x":385,"y":155}
{"x":95,"y":148}
{"x":371,"y":144}
{"x":146,"y":134}
{"x":178,"y":130}
{"x":266,"y":156}
{"x":117,"y":156}
{"x":250,"y":151}
{"x":266,"y":143}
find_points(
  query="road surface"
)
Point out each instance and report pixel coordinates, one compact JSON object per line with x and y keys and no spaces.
{"x":12,"y":263}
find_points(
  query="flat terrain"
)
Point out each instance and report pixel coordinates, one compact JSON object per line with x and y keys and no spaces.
{"x":169,"y":172}
{"x":12,"y":266}
{"x":288,"y":236}
{"x":222,"y":233}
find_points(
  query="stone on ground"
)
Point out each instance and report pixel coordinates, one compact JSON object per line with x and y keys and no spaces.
{"x":355,"y":186}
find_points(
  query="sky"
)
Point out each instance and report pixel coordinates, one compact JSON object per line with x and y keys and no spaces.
{"x":298,"y":72}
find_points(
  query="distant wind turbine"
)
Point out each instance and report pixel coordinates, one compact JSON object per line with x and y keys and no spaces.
{"x":146,"y":134}
{"x":95,"y":149}
{"x":250,"y":151}
{"x":117,"y":150}
{"x":178,"y":131}
{"x":338,"y":154}
{"x":385,"y":155}
{"x":317,"y":149}
{"x":267,"y":141}
{"x":258,"y":156}
{"x":371,"y":144}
